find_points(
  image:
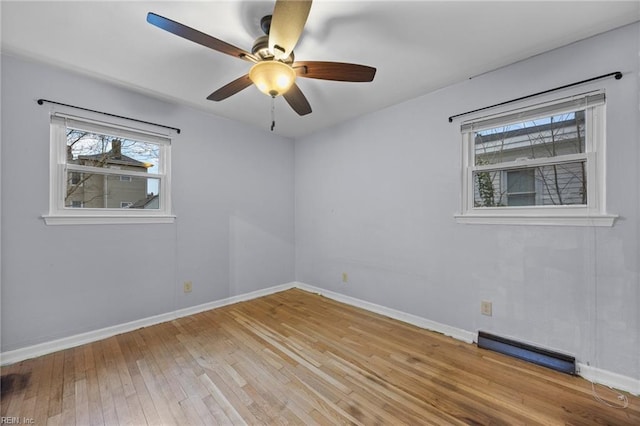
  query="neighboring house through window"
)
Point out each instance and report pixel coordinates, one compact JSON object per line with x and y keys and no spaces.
{"x":538,"y":165}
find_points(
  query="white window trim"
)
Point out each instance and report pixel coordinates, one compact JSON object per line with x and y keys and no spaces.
{"x":593,"y":214}
{"x":61,"y":215}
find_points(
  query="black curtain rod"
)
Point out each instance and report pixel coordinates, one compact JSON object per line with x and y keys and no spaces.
{"x":616,"y":74}
{"x":41,"y":101}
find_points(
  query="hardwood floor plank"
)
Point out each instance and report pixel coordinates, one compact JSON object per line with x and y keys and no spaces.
{"x":218,"y":415}
{"x":191,"y":416}
{"x":156,"y":384}
{"x":96,"y":409}
{"x":109,"y":415}
{"x":14,"y":387}
{"x":145,"y":400}
{"x":313,"y":393}
{"x":227,"y":407}
{"x":82,"y":403}
{"x":35,"y":364}
{"x":43,"y":394}
{"x":68,"y":374}
{"x":297,"y":358}
{"x":118,"y":361}
{"x":56,"y":386}
{"x":54,"y":420}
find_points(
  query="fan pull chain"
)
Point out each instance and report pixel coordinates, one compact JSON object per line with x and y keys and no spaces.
{"x":273,"y":112}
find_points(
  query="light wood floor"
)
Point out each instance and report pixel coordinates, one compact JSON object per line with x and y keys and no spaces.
{"x":295,"y":358}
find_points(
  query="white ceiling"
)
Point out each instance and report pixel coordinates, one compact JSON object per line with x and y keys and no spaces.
{"x":416,"y":46}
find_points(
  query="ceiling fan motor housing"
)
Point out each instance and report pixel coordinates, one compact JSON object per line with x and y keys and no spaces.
{"x":265,"y":24}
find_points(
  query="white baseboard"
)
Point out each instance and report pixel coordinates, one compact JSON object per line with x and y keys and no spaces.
{"x":593,"y":374}
{"x":33,"y":351}
{"x":610,"y":379}
{"x":11,"y":357}
{"x":456,"y":333}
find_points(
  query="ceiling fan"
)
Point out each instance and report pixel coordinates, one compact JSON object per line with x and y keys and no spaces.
{"x":274,"y":68}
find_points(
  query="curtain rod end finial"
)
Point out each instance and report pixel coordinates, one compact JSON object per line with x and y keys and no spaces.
{"x":40,"y":101}
{"x":618,"y":75}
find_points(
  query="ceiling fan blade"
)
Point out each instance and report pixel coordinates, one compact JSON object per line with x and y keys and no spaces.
{"x":287,"y":23}
{"x":230,"y":89}
{"x":296,"y":99}
{"x":337,"y":71}
{"x":198,"y":37}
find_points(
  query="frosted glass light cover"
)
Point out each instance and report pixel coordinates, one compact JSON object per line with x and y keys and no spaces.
{"x":272,"y":78}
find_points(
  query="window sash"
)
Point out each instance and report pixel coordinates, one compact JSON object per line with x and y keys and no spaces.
{"x":520,"y":164}
{"x":594,"y":199}
{"x":94,"y":126}
{"x":108,"y":171}
{"x":569,"y":189}
{"x":103,"y":189}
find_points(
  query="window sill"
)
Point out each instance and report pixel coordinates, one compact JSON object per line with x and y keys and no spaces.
{"x":106,"y":219}
{"x":537,"y":219}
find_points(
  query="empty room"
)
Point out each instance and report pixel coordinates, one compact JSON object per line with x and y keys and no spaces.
{"x":330,"y":212}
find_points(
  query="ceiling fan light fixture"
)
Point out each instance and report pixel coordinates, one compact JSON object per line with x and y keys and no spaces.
{"x":273,"y":78}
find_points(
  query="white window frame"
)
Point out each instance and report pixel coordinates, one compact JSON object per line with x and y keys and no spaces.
{"x":592,"y":214}
{"x":58,"y":168}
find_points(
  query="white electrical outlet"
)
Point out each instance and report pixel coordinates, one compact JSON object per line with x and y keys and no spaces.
{"x":486,"y":308}
{"x":188,"y":286}
{"x":345,"y":277}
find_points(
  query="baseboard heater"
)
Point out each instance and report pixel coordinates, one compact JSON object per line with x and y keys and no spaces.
{"x":544,"y":357}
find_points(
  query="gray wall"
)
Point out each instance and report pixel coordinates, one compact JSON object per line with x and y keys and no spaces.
{"x":375,"y":197}
{"x":232,"y":194}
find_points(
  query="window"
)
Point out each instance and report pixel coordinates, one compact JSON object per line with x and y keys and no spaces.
{"x":76,"y":178}
{"x":539,"y":165}
{"x":106,"y":173}
{"x":521,"y":187}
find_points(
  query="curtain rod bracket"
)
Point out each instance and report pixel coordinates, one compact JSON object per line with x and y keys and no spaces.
{"x":616,"y":74}
{"x":42,"y":101}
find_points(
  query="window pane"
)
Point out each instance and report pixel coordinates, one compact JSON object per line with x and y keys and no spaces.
{"x":103,"y":191}
{"x":521,"y":181}
{"x":541,"y":138}
{"x":559,"y":184}
{"x":76,"y":178}
{"x":97,"y":150}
